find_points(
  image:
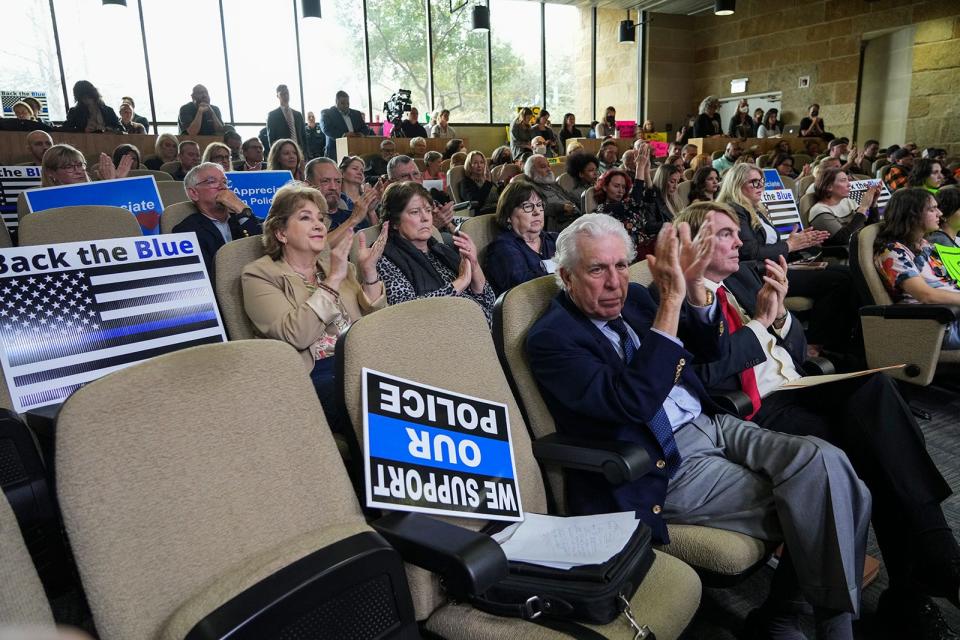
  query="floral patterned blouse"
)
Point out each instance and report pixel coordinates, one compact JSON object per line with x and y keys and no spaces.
{"x":897,"y":263}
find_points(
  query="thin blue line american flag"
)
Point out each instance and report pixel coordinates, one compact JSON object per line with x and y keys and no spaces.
{"x":11,"y":186}
{"x":859,"y":187}
{"x":782,"y":210}
{"x":63,"y":329}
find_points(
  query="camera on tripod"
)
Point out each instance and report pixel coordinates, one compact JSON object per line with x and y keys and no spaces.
{"x":398,"y":104}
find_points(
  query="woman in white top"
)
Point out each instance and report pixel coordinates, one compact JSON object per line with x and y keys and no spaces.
{"x":835,"y":212}
{"x":440,"y":128}
{"x":769,"y":128}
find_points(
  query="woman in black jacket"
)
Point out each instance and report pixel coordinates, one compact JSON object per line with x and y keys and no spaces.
{"x":90,"y":114}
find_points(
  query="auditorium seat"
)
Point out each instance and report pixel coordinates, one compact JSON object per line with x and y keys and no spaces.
{"x":669,"y":595}
{"x":482,"y":230}
{"x":899,"y":333}
{"x":174,"y":214}
{"x":688,"y":174}
{"x":76,"y":224}
{"x":566,"y":182}
{"x":683,"y":191}
{"x":806,"y":203}
{"x":5,"y":241}
{"x":720,"y":557}
{"x":445,"y":164}
{"x":171,"y":167}
{"x":878,"y":164}
{"x":159,"y":176}
{"x":454,"y":178}
{"x":883,"y":171}
{"x":172,"y":192}
{"x":230,"y":260}
{"x":588,"y":202}
{"x":800,"y":159}
{"x":803,"y":183}
{"x":213,"y":501}
{"x":791,"y":184}
{"x":22,"y":599}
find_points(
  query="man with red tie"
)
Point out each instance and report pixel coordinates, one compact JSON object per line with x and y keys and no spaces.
{"x":864,"y":416}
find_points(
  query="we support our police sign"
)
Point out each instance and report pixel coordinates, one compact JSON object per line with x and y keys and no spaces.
{"x":137,"y":195}
{"x":435,"y":451}
{"x":257,"y":188}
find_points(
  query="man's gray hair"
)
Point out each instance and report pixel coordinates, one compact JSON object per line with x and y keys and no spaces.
{"x":193,"y":176}
{"x":591,"y":225}
{"x":528,"y":165}
{"x":308,"y":169}
{"x":394,"y":165}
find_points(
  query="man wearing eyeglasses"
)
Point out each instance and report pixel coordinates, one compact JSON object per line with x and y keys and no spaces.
{"x":221,"y":215}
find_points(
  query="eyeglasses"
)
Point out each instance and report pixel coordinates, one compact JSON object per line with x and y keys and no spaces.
{"x":530,"y":207}
{"x":756,"y":183}
{"x":220,"y":158}
{"x":75,"y":166}
{"x":215,"y":182}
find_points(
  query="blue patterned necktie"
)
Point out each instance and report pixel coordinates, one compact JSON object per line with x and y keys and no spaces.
{"x":659,"y":424}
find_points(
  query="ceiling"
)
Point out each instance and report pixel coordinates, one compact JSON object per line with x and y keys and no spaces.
{"x":683,"y":7}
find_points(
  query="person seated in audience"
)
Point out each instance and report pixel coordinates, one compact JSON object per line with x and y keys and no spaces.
{"x":136,"y":117}
{"x":235,"y":143}
{"x":568,"y":131}
{"x":410,"y":126}
{"x":607,"y":128}
{"x":377,"y":165}
{"x":219,"y":153}
{"x":521,"y":134}
{"x":23,"y":111}
{"x":37,"y":144}
{"x":540,"y":147}
{"x":864,"y":416}
{"x":708,"y":122}
{"x":404,"y":169}
{"x":198,"y":117}
{"x":574,"y":147}
{"x":316,"y":141}
{"x":63,"y":165}
{"x":127,"y":123}
{"x":441,"y":127}
{"x":687,"y":153}
{"x":729,"y":157}
{"x":582,"y":167}
{"x":560,"y":207}
{"x":124,"y":150}
{"x":432,"y":160}
{"x":523,"y":250}
{"x":823,"y":165}
{"x":647,"y":128}
{"x":926,"y":174}
{"x":609,"y":156}
{"x":741,"y":124}
{"x":783,"y":163}
{"x":948,"y":201}
{"x":611,"y":364}
{"x":626,"y":200}
{"x":477,"y":186}
{"x":701,"y":160}
{"x":188,"y":156}
{"x":663,"y":201}
{"x":417,"y":265}
{"x":899,"y":172}
{"x":543,"y":129}
{"x":705,"y":185}
{"x":36,"y":106}
{"x":748,"y":157}
{"x":285,"y":155}
{"x":323,"y":175}
{"x":340,"y":121}
{"x":305,"y":292}
{"x":849,"y":157}
{"x":813,"y":126}
{"x":770,"y":127}
{"x":628,"y":161}
{"x":501,"y":155}
{"x":353,"y":185}
{"x":252,"y":151}
{"x":165,"y":150}
{"x":676,"y":161}
{"x":909,"y":266}
{"x":221,"y":215}
{"x":836,"y":212}
{"x":812,"y":148}
{"x":90,"y":114}
{"x":418,"y":147}
{"x":834,"y":312}
{"x":454,"y":146}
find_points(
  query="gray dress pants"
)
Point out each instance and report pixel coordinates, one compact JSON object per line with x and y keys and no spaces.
{"x":738,"y":476}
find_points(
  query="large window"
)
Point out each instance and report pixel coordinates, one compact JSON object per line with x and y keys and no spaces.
{"x":30,"y":54}
{"x":398,"y":51}
{"x":515,"y":43}
{"x":563,"y":32}
{"x":459,"y":64}
{"x":186,"y":49}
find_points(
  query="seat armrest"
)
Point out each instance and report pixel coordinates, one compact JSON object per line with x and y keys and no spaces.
{"x":469,"y":562}
{"x":818,"y":366}
{"x":735,"y":403}
{"x":942,"y":313}
{"x":618,"y":461}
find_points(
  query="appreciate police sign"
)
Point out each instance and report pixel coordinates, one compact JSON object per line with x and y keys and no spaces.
{"x":137,"y":195}
{"x":436,"y":451}
{"x":257,"y":188}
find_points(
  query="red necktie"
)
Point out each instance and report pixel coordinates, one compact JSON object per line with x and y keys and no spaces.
{"x":748,"y":379}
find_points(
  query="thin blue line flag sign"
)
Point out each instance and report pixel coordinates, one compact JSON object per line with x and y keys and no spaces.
{"x":138,"y":195}
{"x":437,"y":451}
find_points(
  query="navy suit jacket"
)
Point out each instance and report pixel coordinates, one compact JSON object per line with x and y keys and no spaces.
{"x":209,"y":237}
{"x":277,"y":127}
{"x":591,"y":392}
{"x":333,"y":126}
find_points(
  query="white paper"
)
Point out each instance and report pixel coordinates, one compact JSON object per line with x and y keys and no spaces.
{"x":433,"y":184}
{"x":563,"y":543}
{"x":549,"y":265}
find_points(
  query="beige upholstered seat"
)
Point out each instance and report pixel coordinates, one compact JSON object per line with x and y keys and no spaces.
{"x":566,"y":182}
{"x":721,"y":555}
{"x":22,"y":208}
{"x":588,"y":203}
{"x":789,"y":183}
{"x":803,"y":183}
{"x":688,"y":174}
{"x":159,"y":176}
{"x":220,"y":474}
{"x":22,"y":599}
{"x":176,"y":213}
{"x":230,"y":260}
{"x":172,"y":192}
{"x":683,"y":191}
{"x":482,"y":230}
{"x":800,"y":159}
{"x":5,"y":241}
{"x":75,"y":224}
{"x":915,"y":342}
{"x":454,"y":178}
{"x":669,"y":595}
{"x":878,"y":164}
{"x":806,"y":203}
{"x":171,"y":167}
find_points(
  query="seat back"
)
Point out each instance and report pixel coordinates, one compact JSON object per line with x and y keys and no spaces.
{"x":445,"y":164}
{"x":764,"y":161}
{"x":688,"y":174}
{"x":159,"y":176}
{"x":641,"y":274}
{"x":5,"y":241}
{"x":507,"y":173}
{"x":22,"y":599}
{"x":806,"y":203}
{"x":878,"y":164}
{"x":789,"y":183}
{"x":800,"y":159}
{"x":883,"y":171}
{"x":482,"y":230}
{"x":454,"y":178}
{"x":76,"y":224}
{"x":176,"y":213}
{"x":230,"y":260}
{"x":171,"y":167}
{"x":588,"y":203}
{"x":683,"y":190}
{"x":199,"y":488}
{"x":22,"y":208}
{"x":566,"y":182}
{"x":804,"y":183}
{"x":172,"y":192}
{"x":863,"y":269}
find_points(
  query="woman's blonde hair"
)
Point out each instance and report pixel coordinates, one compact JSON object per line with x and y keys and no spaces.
{"x":161,"y":138}
{"x":54,"y":158}
{"x":469,"y":159}
{"x":731,"y":190}
{"x":285,"y":203}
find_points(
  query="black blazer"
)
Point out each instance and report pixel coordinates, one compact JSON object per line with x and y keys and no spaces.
{"x":209,"y":237}
{"x":277,"y":127}
{"x":755,"y":245}
{"x":78,"y":116}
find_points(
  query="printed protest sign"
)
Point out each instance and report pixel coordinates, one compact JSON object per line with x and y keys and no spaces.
{"x":10,"y":98}
{"x":772,"y":180}
{"x":436,"y":451}
{"x":859,"y":187}
{"x":137,"y":195}
{"x":71,"y":313}
{"x":13,"y":182}
{"x":256,"y":188}
{"x":782,"y":210}
{"x":950,"y":257}
{"x":626,"y":128}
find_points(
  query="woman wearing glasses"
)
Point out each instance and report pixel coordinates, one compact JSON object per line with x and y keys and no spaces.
{"x":63,"y":164}
{"x":523,"y":250}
